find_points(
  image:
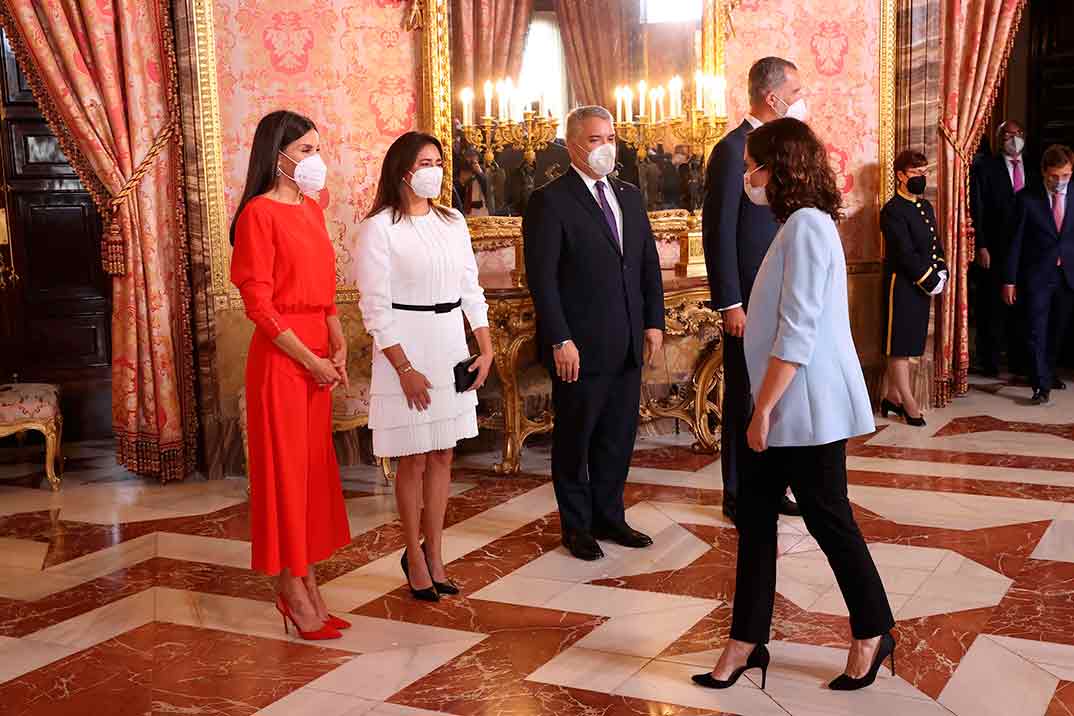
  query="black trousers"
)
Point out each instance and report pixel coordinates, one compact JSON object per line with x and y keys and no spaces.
{"x":592,"y":442}
{"x":735,"y":413}
{"x":818,"y":476}
{"x":998,"y":327}
{"x":1049,"y":303}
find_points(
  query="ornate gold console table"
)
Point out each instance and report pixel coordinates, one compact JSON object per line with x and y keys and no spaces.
{"x":513,"y":324}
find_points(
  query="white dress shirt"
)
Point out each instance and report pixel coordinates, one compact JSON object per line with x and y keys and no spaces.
{"x":609,"y":194}
{"x":1051,"y":198}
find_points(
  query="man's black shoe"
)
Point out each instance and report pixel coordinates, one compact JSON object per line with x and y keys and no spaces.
{"x":582,"y":545}
{"x":1058,"y":384}
{"x":623,"y":534}
{"x":1040,"y":397}
{"x":789,"y":507}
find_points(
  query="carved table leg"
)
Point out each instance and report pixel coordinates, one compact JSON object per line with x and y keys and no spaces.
{"x":708,"y":398}
{"x":507,"y":368}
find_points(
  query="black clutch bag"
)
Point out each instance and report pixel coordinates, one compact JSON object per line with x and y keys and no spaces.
{"x":464,"y":377}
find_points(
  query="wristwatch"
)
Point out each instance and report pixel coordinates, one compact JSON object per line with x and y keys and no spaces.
{"x":559,"y":346}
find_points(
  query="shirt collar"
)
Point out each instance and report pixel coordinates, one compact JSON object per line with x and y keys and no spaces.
{"x":754,"y":122}
{"x":590,"y":182}
{"x":1010,"y":159}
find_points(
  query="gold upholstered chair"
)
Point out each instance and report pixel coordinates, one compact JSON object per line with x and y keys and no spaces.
{"x":35,"y":406}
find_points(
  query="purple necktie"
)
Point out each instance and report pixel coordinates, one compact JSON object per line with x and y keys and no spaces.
{"x":1018,"y":179}
{"x":609,"y":215}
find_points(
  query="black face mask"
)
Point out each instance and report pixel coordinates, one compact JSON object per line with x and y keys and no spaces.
{"x":916,"y":185}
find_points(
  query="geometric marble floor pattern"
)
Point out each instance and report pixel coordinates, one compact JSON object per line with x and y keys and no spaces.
{"x":122,"y":596}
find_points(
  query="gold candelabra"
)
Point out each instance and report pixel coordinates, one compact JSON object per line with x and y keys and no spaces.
{"x":698,"y":129}
{"x":640,"y":134}
{"x":531,"y":135}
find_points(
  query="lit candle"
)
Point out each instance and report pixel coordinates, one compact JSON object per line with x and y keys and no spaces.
{"x":652,"y":105}
{"x":720,"y":90}
{"x":619,"y":105}
{"x":659,"y":104}
{"x":699,"y":91}
{"x":501,"y":101}
{"x":509,"y":93}
{"x":488,"y":98}
{"x":467,"y":97}
{"x":675,"y":99}
{"x":628,"y":103}
{"x":641,"y":99}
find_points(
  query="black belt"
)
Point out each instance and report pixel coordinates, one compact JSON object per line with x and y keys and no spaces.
{"x":435,"y":308}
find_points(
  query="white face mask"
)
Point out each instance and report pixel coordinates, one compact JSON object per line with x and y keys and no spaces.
{"x":756,"y":194}
{"x":601,"y":159}
{"x":1059,"y":187}
{"x":310,"y":173}
{"x":427,"y":182}
{"x":798,"y":110}
{"x":1014,"y":146}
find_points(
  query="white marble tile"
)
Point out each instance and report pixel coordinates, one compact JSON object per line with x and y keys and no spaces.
{"x":210,"y":550}
{"x":615,"y":602}
{"x":831,"y":602}
{"x":29,"y":585}
{"x":950,"y":510}
{"x":972,"y":689}
{"x":674,"y":478}
{"x":1056,"y":659}
{"x":380,"y":674}
{"x":521,"y":590}
{"x":668,"y":682}
{"x":644,"y":635}
{"x":308,"y":701}
{"x":363,"y":585}
{"x":1057,"y":544}
{"x":591,"y":670}
{"x":21,"y":656}
{"x":924,"y":605}
{"x":22,"y":553}
{"x":108,"y":560}
{"x":687,"y":514}
{"x":100,"y":624}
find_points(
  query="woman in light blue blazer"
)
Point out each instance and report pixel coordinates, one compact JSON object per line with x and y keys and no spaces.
{"x":809,"y":398}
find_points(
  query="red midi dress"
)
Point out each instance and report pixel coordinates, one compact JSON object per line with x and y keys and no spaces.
{"x":284,"y":266}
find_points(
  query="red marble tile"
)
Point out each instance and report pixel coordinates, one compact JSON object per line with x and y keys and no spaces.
{"x":168,"y":668}
{"x":1040,"y":604}
{"x":928,"y":650}
{"x":1063,"y":702}
{"x":709,"y":633}
{"x":673,"y":457}
{"x":1022,"y":462}
{"x":983,"y":423}
{"x":1022,"y":490}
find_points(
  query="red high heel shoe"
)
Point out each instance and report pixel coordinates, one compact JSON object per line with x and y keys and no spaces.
{"x":337,"y":623}
{"x":325,"y":632}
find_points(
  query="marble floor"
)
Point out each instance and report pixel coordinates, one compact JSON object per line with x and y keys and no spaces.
{"x":118,"y":596}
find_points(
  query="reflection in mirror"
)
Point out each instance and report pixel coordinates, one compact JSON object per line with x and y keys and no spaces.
{"x":519,"y":66}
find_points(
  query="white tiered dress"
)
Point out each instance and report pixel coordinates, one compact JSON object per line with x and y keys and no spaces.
{"x":421,"y":261}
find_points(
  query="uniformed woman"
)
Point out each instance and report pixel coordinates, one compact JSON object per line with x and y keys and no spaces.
{"x":915,"y":271}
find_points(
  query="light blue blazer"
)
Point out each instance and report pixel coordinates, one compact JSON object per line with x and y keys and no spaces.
{"x":798,"y":312}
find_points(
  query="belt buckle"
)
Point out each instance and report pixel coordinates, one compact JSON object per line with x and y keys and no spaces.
{"x":443,"y":307}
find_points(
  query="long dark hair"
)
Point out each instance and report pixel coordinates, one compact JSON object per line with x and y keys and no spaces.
{"x":274,"y":132}
{"x":397,"y":162}
{"x":800,"y":173}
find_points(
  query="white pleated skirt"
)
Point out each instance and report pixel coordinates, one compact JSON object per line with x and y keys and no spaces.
{"x":434,"y":344}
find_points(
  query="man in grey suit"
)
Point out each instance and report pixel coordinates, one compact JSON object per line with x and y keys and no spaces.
{"x":736,"y":236}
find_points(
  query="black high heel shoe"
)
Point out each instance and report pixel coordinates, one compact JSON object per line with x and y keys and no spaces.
{"x":429,"y":594}
{"x":886,"y":406}
{"x":758,"y":659}
{"x":918,"y":422}
{"x":448,"y":587}
{"x":884,"y":649}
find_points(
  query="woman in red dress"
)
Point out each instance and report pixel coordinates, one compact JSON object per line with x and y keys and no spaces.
{"x":284,"y":266}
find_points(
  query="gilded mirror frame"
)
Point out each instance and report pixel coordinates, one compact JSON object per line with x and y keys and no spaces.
{"x":432,"y":18}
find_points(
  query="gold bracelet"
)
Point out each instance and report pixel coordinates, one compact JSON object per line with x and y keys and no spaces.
{"x":404,"y":369}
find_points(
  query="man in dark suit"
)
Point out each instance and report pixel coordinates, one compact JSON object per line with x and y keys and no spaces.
{"x":1040,"y":266}
{"x":594,"y":275}
{"x":995,"y":179}
{"x":736,"y":236}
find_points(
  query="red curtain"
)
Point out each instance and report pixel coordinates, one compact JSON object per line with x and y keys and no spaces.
{"x":977,"y":39}
{"x":487,"y":40}
{"x":103,"y":73}
{"x":595,"y":44}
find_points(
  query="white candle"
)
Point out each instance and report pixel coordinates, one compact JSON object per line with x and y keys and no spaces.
{"x":699,"y":91}
{"x":641,"y":99}
{"x":628,"y":101}
{"x":619,"y":105}
{"x":488,"y":98}
{"x":467,"y":97}
{"x":675,"y":96}
{"x":720,"y":88}
{"x":652,"y":105}
{"x":501,"y":107}
{"x":659,"y":104}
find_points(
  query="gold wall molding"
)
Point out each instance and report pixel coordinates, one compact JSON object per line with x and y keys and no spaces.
{"x":887,"y":68}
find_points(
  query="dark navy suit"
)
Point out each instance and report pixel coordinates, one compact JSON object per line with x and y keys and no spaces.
{"x":1045,"y":288}
{"x":736,"y":237}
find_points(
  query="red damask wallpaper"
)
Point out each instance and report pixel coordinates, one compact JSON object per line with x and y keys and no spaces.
{"x":347,"y":64}
{"x":835,"y":44}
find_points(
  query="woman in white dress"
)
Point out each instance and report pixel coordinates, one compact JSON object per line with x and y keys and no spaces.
{"x":415,"y":270}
